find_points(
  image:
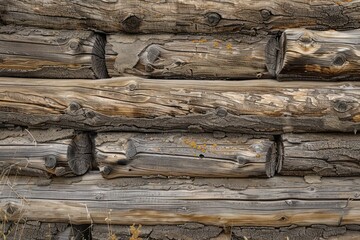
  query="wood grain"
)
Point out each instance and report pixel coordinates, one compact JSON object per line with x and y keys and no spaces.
{"x":319,"y":55}
{"x":230,"y":56}
{"x":134,"y":104}
{"x":200,"y":16}
{"x":275,"y":202}
{"x":321,"y":154}
{"x":43,"y":53}
{"x":44,"y":153}
{"x":134,"y":154}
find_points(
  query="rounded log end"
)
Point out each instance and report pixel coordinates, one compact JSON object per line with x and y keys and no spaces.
{"x":281,"y":54}
{"x":98,"y":62}
{"x":79,"y":154}
{"x":271,"y":52}
{"x":271,"y":160}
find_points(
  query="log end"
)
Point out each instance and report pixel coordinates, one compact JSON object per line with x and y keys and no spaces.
{"x":98,"y":62}
{"x":80,"y":154}
{"x":271,"y":52}
{"x":271,"y":160}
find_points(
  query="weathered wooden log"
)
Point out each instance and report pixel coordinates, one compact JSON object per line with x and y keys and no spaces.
{"x":201,"y":16}
{"x":43,"y":53}
{"x":134,"y":154}
{"x":128,"y":104}
{"x":187,"y":56}
{"x":321,"y":154}
{"x":280,"y":201}
{"x":44,"y":152}
{"x":318,"y":55}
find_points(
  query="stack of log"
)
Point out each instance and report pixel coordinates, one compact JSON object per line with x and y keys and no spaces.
{"x":179,"y":119}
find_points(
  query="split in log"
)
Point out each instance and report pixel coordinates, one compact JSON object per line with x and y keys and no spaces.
{"x":133,"y":154}
{"x":318,"y":55}
{"x":201,"y":16}
{"x":275,"y":202}
{"x":44,"y":152}
{"x":321,"y":154}
{"x":29,"y":52}
{"x":187,"y":56}
{"x":134,"y":104}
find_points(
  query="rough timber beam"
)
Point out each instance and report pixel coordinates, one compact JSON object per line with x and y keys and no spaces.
{"x":258,"y":106}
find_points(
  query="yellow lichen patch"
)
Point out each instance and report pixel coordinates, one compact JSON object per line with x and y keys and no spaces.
{"x":229,"y":46}
{"x":216,"y":44}
{"x":199,"y":40}
{"x":194,"y":145}
{"x":356,"y":118}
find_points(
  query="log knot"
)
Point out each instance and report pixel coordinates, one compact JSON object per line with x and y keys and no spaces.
{"x":221,"y":112}
{"x":339,"y":60}
{"x":213,"y":18}
{"x":74,"y":107}
{"x":10,"y":209}
{"x":74,"y":45}
{"x":50,"y":162}
{"x":106,"y":170}
{"x":265,"y":14}
{"x":341,"y":106}
{"x":131,"y":23}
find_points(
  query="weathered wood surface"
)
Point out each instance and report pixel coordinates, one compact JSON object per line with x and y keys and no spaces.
{"x":319,"y":55}
{"x":134,"y":154}
{"x":321,"y":154}
{"x":44,"y":153}
{"x":275,"y":202}
{"x":134,"y":104}
{"x":43,"y":53}
{"x":187,"y":56}
{"x":200,"y":16}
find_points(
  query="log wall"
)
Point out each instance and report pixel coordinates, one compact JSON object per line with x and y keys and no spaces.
{"x":167,"y":143}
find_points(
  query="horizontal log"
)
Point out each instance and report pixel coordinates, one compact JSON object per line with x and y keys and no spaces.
{"x":187,"y":56}
{"x":280,"y":201}
{"x":44,"y":153}
{"x":43,"y":53}
{"x":319,"y":55}
{"x":201,"y":16}
{"x":321,"y":154}
{"x":134,"y":104}
{"x":134,"y":154}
